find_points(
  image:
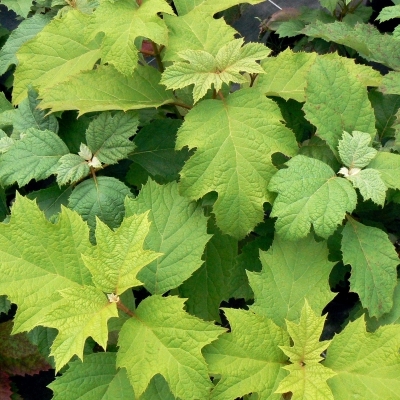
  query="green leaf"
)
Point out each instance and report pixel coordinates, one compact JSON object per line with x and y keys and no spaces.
{"x":25,"y":31}
{"x":388,"y":164}
{"x":232,"y":137}
{"x":210,"y":284}
{"x":291,"y":272}
{"x":337,"y":101}
{"x":248,"y":359}
{"x":106,"y":89}
{"x":5,"y":305}
{"x":307,"y":378}
{"x":29,"y":116}
{"x":157,"y":390}
{"x":71,"y":168}
{"x":389,"y":13}
{"x":367,"y":364}
{"x":20,"y":7}
{"x":82,"y":312}
{"x":50,"y":199}
{"x":43,"y":66}
{"x":196,"y":31}
{"x":364,"y":38}
{"x":122,"y":22}
{"x":103,"y":198}
{"x":108,"y":136}
{"x":329,"y":4}
{"x":285,"y":75}
{"x":155,"y":150}
{"x":174,"y":220}
{"x":205,"y":70}
{"x":391,"y":83}
{"x":167,"y":341}
{"x":35,"y":156}
{"x":318,"y":149}
{"x":354,"y":149}
{"x":309,"y":192}
{"x":46,"y":257}
{"x":95,"y":378}
{"x":385,"y":108}
{"x":119,"y":255}
{"x":370,"y":184}
{"x":373,"y":260}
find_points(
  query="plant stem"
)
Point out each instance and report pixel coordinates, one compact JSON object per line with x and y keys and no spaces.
{"x":183,"y":105}
{"x":125,"y":309}
{"x":158,"y":57}
{"x":221,"y":95}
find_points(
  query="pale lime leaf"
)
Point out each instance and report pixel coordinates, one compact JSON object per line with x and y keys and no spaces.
{"x":364,"y":38}
{"x":106,"y":89}
{"x":291,"y":271}
{"x":71,"y":168}
{"x":82,"y":312}
{"x":178,"y":230}
{"x":337,"y":101}
{"x":367,"y":364}
{"x":50,"y":199}
{"x":205,"y":70}
{"x":162,"y":338}
{"x":35,"y":156}
{"x":210,"y":284}
{"x":388,"y":164}
{"x":6,"y":143}
{"x":370,"y":185}
{"x":196,"y":31}
{"x":184,"y":6}
{"x":391,"y":83}
{"x":95,"y":378}
{"x":307,"y":377}
{"x":235,"y":140}
{"x":103,"y":198}
{"x":285,"y":75}
{"x":248,"y":359}
{"x":373,"y":259}
{"x":354,"y":149}
{"x":307,"y":382}
{"x":122,"y":22}
{"x":309,"y":192}
{"x":25,"y":31}
{"x":108,"y":136}
{"x":44,"y":66}
{"x":389,"y":13}
{"x":119,"y":255}
{"x":45,"y":257}
{"x":20,"y":7}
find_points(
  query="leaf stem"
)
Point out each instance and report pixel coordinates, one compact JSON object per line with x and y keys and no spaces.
{"x":183,"y":105}
{"x":221,"y":95}
{"x":93,"y":174}
{"x":125,"y":309}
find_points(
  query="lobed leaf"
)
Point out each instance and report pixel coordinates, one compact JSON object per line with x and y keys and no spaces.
{"x":388,"y":165}
{"x":71,"y":168}
{"x":309,"y":192}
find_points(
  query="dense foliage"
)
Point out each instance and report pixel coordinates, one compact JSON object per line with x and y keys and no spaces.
{"x":155,"y":166}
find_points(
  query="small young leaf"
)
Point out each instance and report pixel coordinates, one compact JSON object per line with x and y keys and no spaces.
{"x":108,"y":136}
{"x":370,"y":184}
{"x":37,"y":154}
{"x":96,"y":378}
{"x":389,"y":13}
{"x":367,"y":365}
{"x":119,"y":254}
{"x":354,"y":149}
{"x":329,"y":4}
{"x":291,"y":271}
{"x":168,"y":341}
{"x":248,"y":359}
{"x":373,"y":260}
{"x":174,"y":220}
{"x":205,"y":71}
{"x":310,"y":193}
{"x":71,"y":168}
{"x":388,"y":164}
{"x":307,"y":378}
